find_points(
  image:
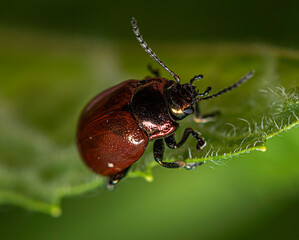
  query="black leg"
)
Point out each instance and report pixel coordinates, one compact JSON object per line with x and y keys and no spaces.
{"x":155,"y":72}
{"x":171,"y":142}
{"x":114,"y":179}
{"x":158,"y":155}
{"x":204,"y":118}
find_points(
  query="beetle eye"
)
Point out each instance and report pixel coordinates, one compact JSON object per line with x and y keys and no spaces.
{"x":182,"y":112}
{"x":189,"y":110}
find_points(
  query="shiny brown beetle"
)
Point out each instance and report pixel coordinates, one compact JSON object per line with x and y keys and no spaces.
{"x":117,"y":124}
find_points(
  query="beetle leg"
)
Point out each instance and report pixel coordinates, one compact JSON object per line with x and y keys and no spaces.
{"x":204,"y":118}
{"x":155,"y":72}
{"x":171,"y":142}
{"x":158,"y":155}
{"x":114,"y":179}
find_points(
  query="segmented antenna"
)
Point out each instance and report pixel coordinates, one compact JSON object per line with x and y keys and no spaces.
{"x":149,"y":51}
{"x":243,"y":79}
{"x":196,"y":77}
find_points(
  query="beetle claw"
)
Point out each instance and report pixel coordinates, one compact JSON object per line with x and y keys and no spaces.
{"x":180,"y":163}
{"x":200,"y":144}
{"x":192,"y":166}
{"x":110,"y":185}
{"x":188,"y":166}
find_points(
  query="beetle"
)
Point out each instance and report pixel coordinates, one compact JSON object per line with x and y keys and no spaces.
{"x":116,"y":125}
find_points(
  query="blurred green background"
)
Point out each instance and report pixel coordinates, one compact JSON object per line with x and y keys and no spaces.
{"x":254,"y":196}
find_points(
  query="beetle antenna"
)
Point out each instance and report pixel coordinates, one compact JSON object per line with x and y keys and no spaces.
{"x":237,"y":84}
{"x":196,"y":77}
{"x":149,"y":51}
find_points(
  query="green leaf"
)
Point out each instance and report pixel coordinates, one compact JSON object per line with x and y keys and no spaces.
{"x":45,"y":82}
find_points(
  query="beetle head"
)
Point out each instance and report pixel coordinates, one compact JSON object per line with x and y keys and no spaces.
{"x":181,"y":98}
